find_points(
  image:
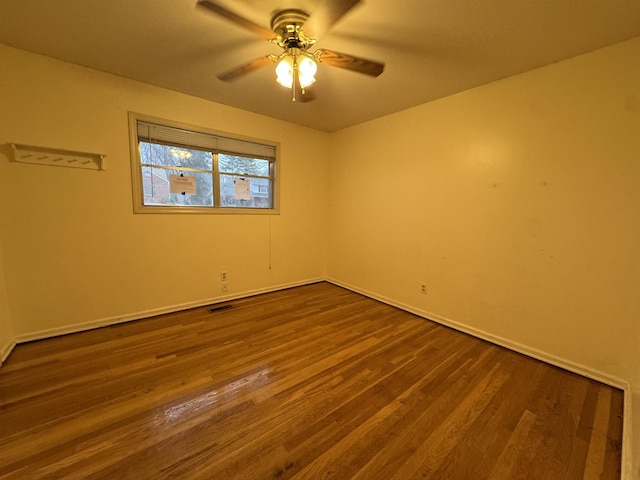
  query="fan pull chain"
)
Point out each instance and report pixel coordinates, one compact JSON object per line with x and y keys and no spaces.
{"x":296,"y":77}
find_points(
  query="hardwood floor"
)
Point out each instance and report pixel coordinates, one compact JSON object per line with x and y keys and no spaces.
{"x":311,"y":382}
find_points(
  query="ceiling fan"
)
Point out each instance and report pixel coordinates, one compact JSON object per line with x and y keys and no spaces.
{"x":297,"y":64}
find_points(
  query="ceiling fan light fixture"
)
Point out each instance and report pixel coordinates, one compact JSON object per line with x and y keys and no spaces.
{"x":306,"y":66}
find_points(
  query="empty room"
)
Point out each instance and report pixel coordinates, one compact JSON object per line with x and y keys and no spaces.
{"x":320,"y":239}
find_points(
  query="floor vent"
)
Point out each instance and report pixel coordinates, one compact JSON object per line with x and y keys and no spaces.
{"x":220,"y":308}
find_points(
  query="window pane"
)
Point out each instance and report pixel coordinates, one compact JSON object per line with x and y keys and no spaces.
{"x":231,"y":194}
{"x":157,"y":188}
{"x":154,"y":154}
{"x":243,"y":165}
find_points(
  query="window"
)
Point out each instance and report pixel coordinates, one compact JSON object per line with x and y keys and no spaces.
{"x":180,"y":168}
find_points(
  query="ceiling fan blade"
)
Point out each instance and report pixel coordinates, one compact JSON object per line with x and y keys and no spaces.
{"x":218,"y":9}
{"x":342,"y":60}
{"x":246,"y":68}
{"x":329,"y":12}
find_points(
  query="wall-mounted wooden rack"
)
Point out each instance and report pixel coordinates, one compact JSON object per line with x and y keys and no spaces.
{"x":57,"y":157}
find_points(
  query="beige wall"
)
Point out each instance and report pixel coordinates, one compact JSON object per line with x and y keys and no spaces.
{"x":518,"y":203}
{"x":74,"y":251}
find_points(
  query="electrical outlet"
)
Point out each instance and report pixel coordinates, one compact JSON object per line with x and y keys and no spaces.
{"x":423,"y":287}
{"x":223,"y":276}
{"x":224,"y":287}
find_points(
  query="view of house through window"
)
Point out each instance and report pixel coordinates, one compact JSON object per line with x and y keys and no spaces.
{"x":160,"y":162}
{"x":256,"y":172}
{"x":193,"y":170}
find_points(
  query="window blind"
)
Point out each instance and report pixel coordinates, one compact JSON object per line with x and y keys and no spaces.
{"x":155,"y":133}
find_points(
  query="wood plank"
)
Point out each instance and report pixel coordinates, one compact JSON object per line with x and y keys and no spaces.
{"x":598,"y":441}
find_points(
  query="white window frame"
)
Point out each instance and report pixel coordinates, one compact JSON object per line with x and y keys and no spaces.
{"x":228,"y":139}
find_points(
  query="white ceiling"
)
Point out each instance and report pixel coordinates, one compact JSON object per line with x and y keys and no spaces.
{"x":432,"y":48}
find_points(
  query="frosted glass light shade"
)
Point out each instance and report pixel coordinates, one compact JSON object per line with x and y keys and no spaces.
{"x":307,"y":69}
{"x":284,"y":72}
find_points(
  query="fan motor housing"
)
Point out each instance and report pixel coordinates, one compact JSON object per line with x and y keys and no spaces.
{"x":286,"y":20}
{"x":287,"y":25}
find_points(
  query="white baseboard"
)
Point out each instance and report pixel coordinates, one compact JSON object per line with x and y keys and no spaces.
{"x":500,"y":341}
{"x":105,"y":322}
{"x":627,"y":463}
{"x":5,"y":350}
